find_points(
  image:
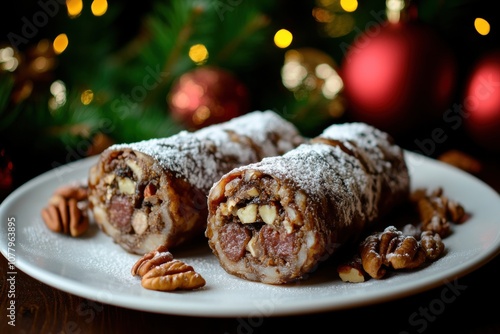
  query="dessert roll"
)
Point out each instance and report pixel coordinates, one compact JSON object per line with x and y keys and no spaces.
{"x":274,"y":221}
{"x":154,"y":192}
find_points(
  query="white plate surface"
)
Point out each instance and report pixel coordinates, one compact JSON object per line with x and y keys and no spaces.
{"x":94,"y":267}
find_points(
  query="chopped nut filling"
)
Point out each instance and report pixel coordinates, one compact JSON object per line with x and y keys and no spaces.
{"x":250,"y":206}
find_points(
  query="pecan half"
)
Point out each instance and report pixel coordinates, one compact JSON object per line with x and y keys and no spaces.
{"x":172,"y":275}
{"x":63,"y":214}
{"x":77,"y":191}
{"x":160,"y":271}
{"x":152,"y":259}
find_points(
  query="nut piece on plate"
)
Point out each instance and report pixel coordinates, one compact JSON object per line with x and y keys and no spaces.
{"x":160,"y":271}
{"x":410,"y":247}
{"x":390,"y":249}
{"x":461,"y":160}
{"x":150,"y":260}
{"x":76,"y":191}
{"x":432,"y":244}
{"x":66,"y":212}
{"x":437,"y":211}
{"x":352,"y":271}
{"x":172,"y":275}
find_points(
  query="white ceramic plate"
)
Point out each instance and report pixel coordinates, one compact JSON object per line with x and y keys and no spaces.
{"x":94,"y":267}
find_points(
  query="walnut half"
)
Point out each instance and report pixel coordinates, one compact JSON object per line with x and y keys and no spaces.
{"x":437,"y":211}
{"x":432,"y":244}
{"x":390,"y":249}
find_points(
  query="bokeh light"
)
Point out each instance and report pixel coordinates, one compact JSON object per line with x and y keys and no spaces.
{"x":482,"y":26}
{"x":349,"y":5}
{"x":198,"y":53}
{"x":60,"y":43}
{"x":87,"y":96}
{"x":335,"y":16}
{"x":8,"y":61}
{"x":393,"y":10}
{"x":322,"y":15}
{"x":311,"y":74}
{"x":99,"y":7}
{"x":283,"y":38}
{"x":74,"y":7}
{"x":58,"y":91}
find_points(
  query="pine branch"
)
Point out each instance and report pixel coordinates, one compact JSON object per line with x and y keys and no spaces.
{"x":185,"y":30}
{"x":161,"y":47}
{"x":257,"y":23}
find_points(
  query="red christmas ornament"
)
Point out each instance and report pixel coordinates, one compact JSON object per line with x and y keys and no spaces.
{"x":482,"y":102}
{"x":207,"y":95}
{"x":398,"y":75}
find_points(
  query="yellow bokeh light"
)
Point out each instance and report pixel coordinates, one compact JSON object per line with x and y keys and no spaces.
{"x":87,"y":96}
{"x":283,"y":38}
{"x":482,"y":26}
{"x":349,"y":5}
{"x":74,"y":7}
{"x":60,"y":43}
{"x":198,"y":53}
{"x":99,"y":7}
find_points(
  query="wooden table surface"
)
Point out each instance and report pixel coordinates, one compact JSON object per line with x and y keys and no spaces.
{"x":474,"y":308}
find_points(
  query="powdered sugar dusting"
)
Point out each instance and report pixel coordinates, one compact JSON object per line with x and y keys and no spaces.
{"x":383,"y":159}
{"x":324,"y":171}
{"x":203,"y":156}
{"x":321,"y":171}
{"x":374,"y":145}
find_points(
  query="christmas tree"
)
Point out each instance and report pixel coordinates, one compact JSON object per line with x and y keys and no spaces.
{"x":77,"y":76}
